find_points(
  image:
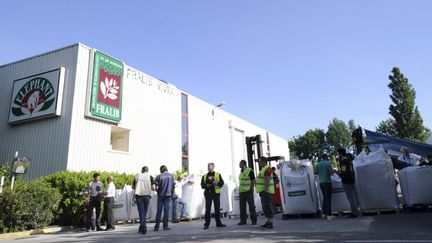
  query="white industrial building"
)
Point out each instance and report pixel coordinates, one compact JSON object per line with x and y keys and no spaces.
{"x":78,"y":109}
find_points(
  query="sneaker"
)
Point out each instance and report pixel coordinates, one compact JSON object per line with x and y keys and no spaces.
{"x":156,"y":229}
{"x":241,"y":223}
{"x":175,"y":221}
{"x":206,"y":227}
{"x":268,"y":226}
{"x":220,"y":225}
{"x":166,"y":228}
{"x":265,"y":225}
{"x":99,"y":229}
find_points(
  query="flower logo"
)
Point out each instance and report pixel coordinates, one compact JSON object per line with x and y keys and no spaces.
{"x":109,"y":88}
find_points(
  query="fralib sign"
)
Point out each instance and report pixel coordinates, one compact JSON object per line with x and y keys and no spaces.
{"x":106,"y":80}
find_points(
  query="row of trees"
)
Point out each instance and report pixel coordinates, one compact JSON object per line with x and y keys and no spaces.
{"x":405,"y":122}
{"x":315,"y":142}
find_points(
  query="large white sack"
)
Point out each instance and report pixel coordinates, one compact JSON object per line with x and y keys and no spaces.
{"x":375,"y":181}
{"x":236,"y":203}
{"x":340,"y":202}
{"x":415,"y":183}
{"x":194,"y":196}
{"x":120,"y":207}
{"x":299,"y":187}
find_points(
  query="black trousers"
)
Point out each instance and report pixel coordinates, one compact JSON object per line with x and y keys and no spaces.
{"x":247,"y":197}
{"x":326,"y":189}
{"x":94,"y":203}
{"x":209,"y":198}
{"x":108,"y":210}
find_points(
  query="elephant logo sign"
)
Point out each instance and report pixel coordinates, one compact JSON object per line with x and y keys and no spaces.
{"x":34,"y":96}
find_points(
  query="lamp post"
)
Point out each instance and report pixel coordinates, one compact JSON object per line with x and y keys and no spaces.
{"x":217,"y":106}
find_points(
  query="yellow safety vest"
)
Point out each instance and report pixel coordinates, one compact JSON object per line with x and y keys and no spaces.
{"x":260,"y":182}
{"x":245,"y":181}
{"x":216,"y":180}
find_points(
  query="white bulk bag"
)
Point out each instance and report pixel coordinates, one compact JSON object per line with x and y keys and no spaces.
{"x":194,"y":196}
{"x":415,"y":183}
{"x":121,"y":204}
{"x":375,"y":181}
{"x":299,"y":187}
{"x":339,"y":201}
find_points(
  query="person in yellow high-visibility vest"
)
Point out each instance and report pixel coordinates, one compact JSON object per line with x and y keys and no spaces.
{"x":212,"y":183}
{"x":265,"y":188}
{"x":247,"y":183}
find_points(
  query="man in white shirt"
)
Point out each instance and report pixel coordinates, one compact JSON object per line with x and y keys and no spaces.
{"x":109,"y":202}
{"x":407,"y":158}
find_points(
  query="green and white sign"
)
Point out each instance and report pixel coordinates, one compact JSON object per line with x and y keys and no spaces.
{"x":37,"y":96}
{"x":106,"y":87}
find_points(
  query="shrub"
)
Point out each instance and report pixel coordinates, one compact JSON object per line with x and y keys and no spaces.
{"x":30,"y":205}
{"x":71,"y":184}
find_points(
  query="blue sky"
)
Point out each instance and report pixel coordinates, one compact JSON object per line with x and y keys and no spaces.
{"x":287,"y":66}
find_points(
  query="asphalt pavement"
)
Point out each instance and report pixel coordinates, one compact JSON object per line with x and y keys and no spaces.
{"x":396,"y":227}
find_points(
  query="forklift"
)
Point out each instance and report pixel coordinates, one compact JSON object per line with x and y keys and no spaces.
{"x":254,"y":153}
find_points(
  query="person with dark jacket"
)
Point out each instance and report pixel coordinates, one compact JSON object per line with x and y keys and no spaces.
{"x":348,"y":180}
{"x":212,"y":183}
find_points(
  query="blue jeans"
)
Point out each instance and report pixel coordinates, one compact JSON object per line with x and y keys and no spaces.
{"x":163,"y":202}
{"x":184,"y":208}
{"x":142,"y":205}
{"x":352,"y":197}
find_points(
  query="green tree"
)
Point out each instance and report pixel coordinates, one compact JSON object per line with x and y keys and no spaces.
{"x":311,"y":145}
{"x":406,"y":121}
{"x":338,"y":135}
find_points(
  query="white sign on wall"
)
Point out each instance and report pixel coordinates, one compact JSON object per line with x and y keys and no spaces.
{"x":37,"y":96}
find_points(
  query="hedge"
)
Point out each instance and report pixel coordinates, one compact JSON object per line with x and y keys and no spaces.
{"x":30,"y":205}
{"x":70,"y":184}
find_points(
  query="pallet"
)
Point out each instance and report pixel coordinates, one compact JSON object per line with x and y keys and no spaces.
{"x":379,"y":211}
{"x":417,"y":208}
{"x":299,"y":216}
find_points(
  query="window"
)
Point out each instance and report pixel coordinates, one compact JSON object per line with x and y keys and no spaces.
{"x":185,"y":132}
{"x":119,"y":139}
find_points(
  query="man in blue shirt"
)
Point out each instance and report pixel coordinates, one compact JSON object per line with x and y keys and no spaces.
{"x":324,"y":170}
{"x":165,"y":189}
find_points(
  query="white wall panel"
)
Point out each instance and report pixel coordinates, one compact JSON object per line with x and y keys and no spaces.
{"x":150,"y":112}
{"x":210,"y":139}
{"x":45,"y":142}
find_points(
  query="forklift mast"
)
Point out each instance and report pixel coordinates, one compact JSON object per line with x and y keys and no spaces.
{"x":254,"y":144}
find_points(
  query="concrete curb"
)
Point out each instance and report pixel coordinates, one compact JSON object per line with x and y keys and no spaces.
{"x":49,"y":230}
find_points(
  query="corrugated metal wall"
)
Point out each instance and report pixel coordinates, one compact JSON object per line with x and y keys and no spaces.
{"x":150,"y":112}
{"x":45,"y":142}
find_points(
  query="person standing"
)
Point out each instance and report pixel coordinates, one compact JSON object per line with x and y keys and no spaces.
{"x":109,"y":202}
{"x":348,"y":180}
{"x":212,"y":183}
{"x":247,"y":183}
{"x":143,"y":186}
{"x":165,"y":190}
{"x":324,"y":170}
{"x":95,"y":192}
{"x":265,"y":188}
